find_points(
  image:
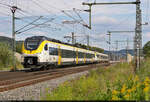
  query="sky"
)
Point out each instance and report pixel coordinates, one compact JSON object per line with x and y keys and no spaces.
{"x":104,"y":18}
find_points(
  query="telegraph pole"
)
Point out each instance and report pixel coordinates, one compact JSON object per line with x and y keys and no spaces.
{"x":109,"y":34}
{"x":138,"y":29}
{"x":138,"y":36}
{"x":127,"y":48}
{"x":73,"y":41}
{"x":116,"y":49}
{"x":13,"y":9}
{"x":88,"y":40}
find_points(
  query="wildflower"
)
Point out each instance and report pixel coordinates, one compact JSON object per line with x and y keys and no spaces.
{"x":129,"y":90}
{"x":147,"y":79}
{"x":133,"y":89}
{"x":126,"y":96}
{"x":146,"y":84}
{"x":114,"y":92}
{"x":123,"y":88}
{"x":115,"y":97}
{"x":146,"y":89}
{"x":136,"y":78}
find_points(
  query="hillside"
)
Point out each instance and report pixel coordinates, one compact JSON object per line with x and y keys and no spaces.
{"x":123,"y":52}
{"x":8,"y":41}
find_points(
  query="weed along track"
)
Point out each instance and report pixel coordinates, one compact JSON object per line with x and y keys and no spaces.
{"x":20,"y":79}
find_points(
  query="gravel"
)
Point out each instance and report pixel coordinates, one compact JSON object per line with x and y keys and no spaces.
{"x":36,"y":91}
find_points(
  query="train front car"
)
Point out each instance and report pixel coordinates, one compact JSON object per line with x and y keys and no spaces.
{"x":33,"y":51}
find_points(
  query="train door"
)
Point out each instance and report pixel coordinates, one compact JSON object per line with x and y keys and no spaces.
{"x":95,"y":59}
{"x":76,"y":56}
{"x":59,"y":56}
{"x":46,"y":53}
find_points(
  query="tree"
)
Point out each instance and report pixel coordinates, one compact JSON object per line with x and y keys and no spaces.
{"x":19,"y":46}
{"x":100,"y":50}
{"x":146,"y":49}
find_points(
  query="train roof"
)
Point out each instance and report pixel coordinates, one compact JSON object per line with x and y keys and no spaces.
{"x":42,"y":38}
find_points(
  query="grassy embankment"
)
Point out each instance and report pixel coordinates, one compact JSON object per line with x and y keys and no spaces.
{"x":113,"y":83}
{"x":6,"y":58}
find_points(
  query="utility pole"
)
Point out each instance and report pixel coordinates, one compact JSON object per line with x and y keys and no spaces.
{"x":116,"y":49}
{"x":73,"y":38}
{"x":127,"y":48}
{"x":91,"y":4}
{"x":88,"y":40}
{"x":13,"y":9}
{"x":138,"y":28}
{"x":138,"y":36}
{"x":67,"y":37}
{"x":109,"y":34}
{"x":89,"y":10}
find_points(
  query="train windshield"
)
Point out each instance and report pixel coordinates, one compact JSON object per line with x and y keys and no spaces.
{"x":32,"y":44}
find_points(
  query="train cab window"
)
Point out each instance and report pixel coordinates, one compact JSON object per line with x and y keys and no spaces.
{"x":46,"y":47}
{"x":31,"y":44}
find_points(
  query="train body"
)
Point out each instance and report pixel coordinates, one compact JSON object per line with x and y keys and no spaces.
{"x":42,"y":51}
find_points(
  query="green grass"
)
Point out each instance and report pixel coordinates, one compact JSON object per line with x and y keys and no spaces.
{"x":113,"y":83}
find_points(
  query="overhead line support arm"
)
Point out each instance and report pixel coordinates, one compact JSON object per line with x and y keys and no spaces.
{"x":90,"y":4}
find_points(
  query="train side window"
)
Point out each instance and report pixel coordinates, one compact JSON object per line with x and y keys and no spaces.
{"x":53,"y":51}
{"x":46,"y":47}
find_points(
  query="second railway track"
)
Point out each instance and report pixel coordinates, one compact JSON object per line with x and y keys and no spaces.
{"x":24,"y":79}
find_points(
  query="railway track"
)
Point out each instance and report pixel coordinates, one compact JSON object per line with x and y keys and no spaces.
{"x":12,"y":80}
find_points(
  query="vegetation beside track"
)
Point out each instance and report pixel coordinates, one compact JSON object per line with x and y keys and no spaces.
{"x":6,"y":57}
{"x":117,"y":82}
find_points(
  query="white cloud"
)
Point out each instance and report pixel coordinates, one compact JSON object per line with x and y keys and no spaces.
{"x":98,"y":36}
{"x":4,"y":34}
{"x":104,"y":20}
{"x":147,"y":35}
{"x":36,"y":7}
{"x":37,"y":33}
{"x":103,"y":17}
{"x":23,"y":36}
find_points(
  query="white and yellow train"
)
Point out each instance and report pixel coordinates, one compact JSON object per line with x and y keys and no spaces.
{"x":43,"y":51}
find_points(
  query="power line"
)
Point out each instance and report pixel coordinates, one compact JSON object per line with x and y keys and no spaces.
{"x":42,"y":7}
{"x":79,"y":15}
{"x":29,"y":24}
{"x":35,"y":26}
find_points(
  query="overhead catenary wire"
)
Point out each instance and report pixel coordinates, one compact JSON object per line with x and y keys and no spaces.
{"x":79,"y":16}
{"x":73,"y":18}
{"x":49,"y":22}
{"x":4,"y":14}
{"x":43,"y":8}
{"x":35,"y":26}
{"x":29,"y":24}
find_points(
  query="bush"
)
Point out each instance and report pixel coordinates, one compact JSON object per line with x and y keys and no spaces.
{"x":19,"y":47}
{"x":6,"y":58}
{"x":5,"y":55}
